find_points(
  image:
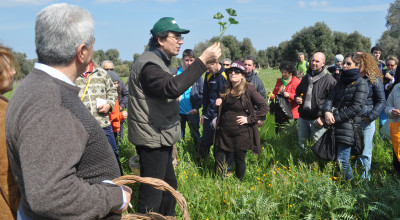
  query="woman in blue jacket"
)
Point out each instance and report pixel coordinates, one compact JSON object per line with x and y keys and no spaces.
{"x":373,"y":107}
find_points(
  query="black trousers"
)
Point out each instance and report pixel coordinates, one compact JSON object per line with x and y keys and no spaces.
{"x":156,"y":163}
{"x":221,"y":158}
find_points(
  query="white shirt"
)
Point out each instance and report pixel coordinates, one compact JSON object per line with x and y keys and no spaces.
{"x":53,"y":72}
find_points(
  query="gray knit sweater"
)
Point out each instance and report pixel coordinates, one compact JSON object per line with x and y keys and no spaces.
{"x":59,"y":153}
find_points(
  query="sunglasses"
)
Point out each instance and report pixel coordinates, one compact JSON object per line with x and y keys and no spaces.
{"x":234,"y":71}
{"x":111,"y":69}
{"x":226,"y":64}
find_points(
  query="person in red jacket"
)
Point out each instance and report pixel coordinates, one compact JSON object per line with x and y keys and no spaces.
{"x":287,"y":87}
{"x":116,"y":115}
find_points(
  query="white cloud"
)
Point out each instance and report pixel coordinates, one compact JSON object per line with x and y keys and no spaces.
{"x":17,"y":3}
{"x":319,"y":4}
{"x":302,"y":4}
{"x":366,"y":8}
{"x":110,"y":1}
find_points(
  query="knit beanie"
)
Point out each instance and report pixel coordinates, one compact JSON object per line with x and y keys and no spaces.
{"x":338,"y":58}
{"x":113,"y":75}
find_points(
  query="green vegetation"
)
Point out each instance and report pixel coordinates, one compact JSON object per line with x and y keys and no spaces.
{"x":231,"y":12}
{"x":282,"y":183}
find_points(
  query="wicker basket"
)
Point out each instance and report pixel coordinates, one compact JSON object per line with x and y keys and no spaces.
{"x":157,"y":184}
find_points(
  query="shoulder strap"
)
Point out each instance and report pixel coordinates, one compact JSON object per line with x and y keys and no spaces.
{"x":87,"y":85}
{"x":223,"y":74}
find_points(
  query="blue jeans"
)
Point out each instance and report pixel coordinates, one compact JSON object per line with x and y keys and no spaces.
{"x":306,"y":130}
{"x":343,"y":157}
{"x":193,"y":122}
{"x":366,"y":157}
{"x":111,"y":139}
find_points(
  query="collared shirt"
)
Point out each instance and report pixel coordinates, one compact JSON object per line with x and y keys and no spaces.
{"x":53,"y":72}
{"x":61,"y":76}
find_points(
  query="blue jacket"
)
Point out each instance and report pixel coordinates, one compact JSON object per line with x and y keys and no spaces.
{"x":196,"y":94}
{"x":375,"y":101}
{"x":213,"y":84}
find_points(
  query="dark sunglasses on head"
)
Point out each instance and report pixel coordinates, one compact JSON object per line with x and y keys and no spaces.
{"x":233,"y":71}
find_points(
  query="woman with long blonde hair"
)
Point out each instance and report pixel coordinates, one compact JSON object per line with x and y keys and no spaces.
{"x":236,"y":126}
{"x":372,"y":108}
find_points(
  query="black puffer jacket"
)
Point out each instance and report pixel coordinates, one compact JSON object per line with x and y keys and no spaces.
{"x":375,"y":101}
{"x":351,"y":98}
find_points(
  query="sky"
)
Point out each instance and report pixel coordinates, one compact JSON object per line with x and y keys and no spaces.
{"x":125,"y":24}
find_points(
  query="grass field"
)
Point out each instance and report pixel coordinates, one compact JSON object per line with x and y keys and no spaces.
{"x":281,"y":183}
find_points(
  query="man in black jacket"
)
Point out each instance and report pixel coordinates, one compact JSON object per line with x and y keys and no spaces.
{"x":310,"y":95}
{"x":153,"y":109}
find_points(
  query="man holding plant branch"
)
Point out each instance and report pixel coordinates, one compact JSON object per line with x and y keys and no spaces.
{"x":153,"y":109}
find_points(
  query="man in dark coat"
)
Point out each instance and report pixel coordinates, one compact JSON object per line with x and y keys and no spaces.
{"x":310,"y":95}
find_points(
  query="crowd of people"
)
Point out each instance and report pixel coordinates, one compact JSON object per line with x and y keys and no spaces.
{"x":60,"y":132}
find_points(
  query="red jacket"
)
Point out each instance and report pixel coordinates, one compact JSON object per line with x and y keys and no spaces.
{"x":291,"y":89}
{"x":116,"y":117}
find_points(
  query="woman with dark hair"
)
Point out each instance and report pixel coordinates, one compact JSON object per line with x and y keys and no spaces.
{"x":343,"y":107}
{"x":10,"y":195}
{"x":373,"y":106}
{"x":286,"y":86}
{"x":236,"y":126}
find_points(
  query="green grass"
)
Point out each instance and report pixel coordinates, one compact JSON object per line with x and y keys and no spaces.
{"x":283,"y":183}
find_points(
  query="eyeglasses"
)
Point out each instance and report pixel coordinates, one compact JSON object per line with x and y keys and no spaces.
{"x":391,"y":65}
{"x":227,"y":64}
{"x":177,"y":38}
{"x":111,"y":69}
{"x":236,"y":71}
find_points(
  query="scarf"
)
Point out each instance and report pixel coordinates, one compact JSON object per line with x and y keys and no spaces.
{"x":286,"y":82}
{"x":349,"y":76}
{"x":312,"y":78}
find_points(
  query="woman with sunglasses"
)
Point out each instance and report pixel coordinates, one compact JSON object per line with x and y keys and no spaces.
{"x":372,"y":108}
{"x":236,"y":126}
{"x":343,"y":107}
{"x":287,"y":87}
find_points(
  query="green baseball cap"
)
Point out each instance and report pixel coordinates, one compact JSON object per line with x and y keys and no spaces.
{"x":167,"y":24}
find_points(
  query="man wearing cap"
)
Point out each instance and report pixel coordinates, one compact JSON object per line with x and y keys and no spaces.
{"x":153,"y":109}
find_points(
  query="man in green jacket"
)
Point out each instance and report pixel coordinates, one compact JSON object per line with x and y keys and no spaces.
{"x":302,"y":65}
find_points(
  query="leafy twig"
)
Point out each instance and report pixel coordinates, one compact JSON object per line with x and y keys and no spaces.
{"x":232,"y":13}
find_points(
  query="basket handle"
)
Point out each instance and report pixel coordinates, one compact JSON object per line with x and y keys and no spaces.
{"x":157,"y":184}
